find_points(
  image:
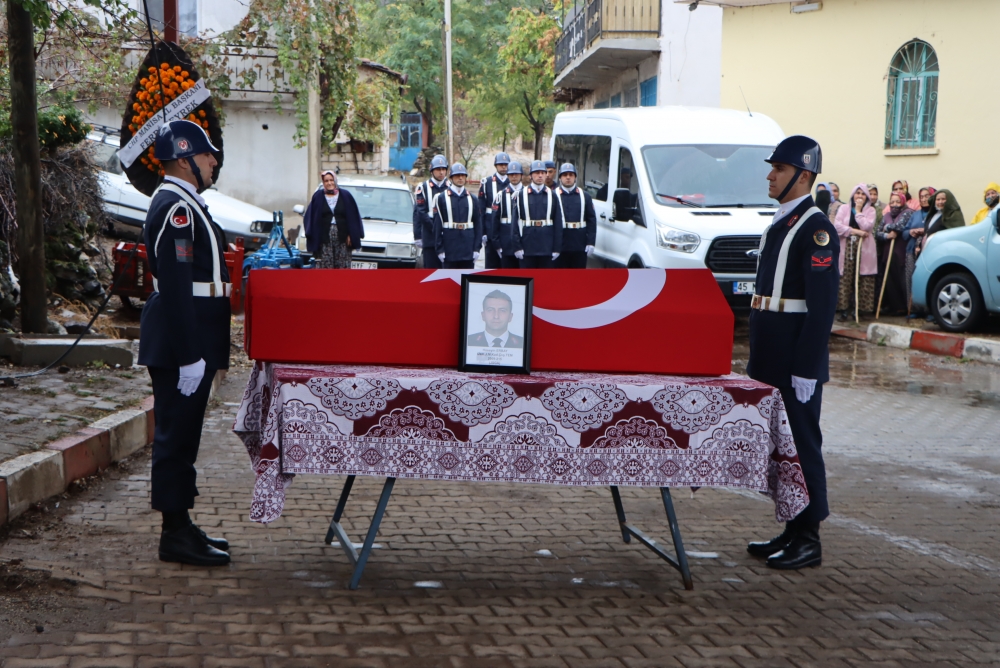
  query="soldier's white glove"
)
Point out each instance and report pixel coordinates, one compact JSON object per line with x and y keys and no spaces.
{"x":484,"y":239}
{"x":500,"y":252}
{"x":588,"y":250}
{"x":519,"y":255}
{"x":804,"y":388}
{"x":441,"y":256}
{"x":475,"y":255}
{"x":190,"y":377}
{"x":419,"y":243}
{"x":555,"y":256}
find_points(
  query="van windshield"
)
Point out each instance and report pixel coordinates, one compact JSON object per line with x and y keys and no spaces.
{"x":709,"y":175}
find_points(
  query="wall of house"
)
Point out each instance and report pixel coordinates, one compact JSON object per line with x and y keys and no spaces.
{"x":690,"y":60}
{"x":824,"y":73}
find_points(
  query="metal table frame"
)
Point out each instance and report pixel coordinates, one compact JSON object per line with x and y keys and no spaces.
{"x":360,"y":559}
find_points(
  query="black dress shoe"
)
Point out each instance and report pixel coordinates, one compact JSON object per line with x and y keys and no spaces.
{"x":218,"y":543}
{"x":802,"y":552}
{"x":776,"y":544}
{"x":186,"y":546}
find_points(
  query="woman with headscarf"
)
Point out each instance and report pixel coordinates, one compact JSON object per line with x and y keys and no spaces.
{"x":914,"y":231}
{"x":333,"y":225}
{"x":823,"y":201}
{"x":903,"y":188}
{"x":855,"y":223}
{"x":947,"y":215}
{"x":892,"y":265}
{"x":991,"y":197}
{"x":835,"y":202}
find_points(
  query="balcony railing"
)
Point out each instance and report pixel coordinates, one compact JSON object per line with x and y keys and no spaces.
{"x":607,"y":19}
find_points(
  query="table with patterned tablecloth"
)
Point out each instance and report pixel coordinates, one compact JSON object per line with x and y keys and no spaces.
{"x":582,"y":429}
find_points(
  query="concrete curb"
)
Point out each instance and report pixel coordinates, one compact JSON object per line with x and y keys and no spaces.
{"x":935,"y":343}
{"x":33,"y":477}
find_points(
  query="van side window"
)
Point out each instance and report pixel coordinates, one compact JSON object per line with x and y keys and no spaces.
{"x":628,"y":180}
{"x":591,"y":154}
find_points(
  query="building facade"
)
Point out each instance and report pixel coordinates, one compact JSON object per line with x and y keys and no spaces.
{"x":892,"y":89}
{"x":631,"y":53}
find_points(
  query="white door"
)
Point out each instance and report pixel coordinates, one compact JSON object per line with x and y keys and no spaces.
{"x":623,"y":230}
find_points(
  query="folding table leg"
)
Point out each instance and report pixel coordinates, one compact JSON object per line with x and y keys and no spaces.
{"x":366,"y":549}
{"x":675,"y":532}
{"x":337,"y":530}
{"x":680,"y":563}
{"x":620,"y":509}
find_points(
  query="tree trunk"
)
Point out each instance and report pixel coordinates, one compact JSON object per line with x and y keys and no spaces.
{"x":425,"y":111}
{"x":539,"y":131}
{"x":27,"y":170}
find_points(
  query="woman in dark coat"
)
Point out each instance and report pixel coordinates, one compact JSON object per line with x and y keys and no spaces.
{"x":892,"y":268}
{"x":333,"y":225}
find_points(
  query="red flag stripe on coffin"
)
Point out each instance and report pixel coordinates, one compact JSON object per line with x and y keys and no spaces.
{"x":616,"y":320}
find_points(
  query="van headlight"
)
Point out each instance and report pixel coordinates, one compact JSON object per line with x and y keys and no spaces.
{"x":399,"y":250}
{"x":676,"y":240}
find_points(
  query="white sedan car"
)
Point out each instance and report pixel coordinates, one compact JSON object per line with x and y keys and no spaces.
{"x":127,"y":206}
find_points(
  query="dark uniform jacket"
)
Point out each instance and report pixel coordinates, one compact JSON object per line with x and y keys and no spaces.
{"x":783,"y":345}
{"x":541,"y":240}
{"x":488,"y":190}
{"x":458,"y":245}
{"x":502,"y":236}
{"x":178,"y":328}
{"x":423,"y":218}
{"x":577,"y":239}
{"x":481,"y":339}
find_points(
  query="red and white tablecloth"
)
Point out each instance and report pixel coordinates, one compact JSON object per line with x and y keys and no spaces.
{"x":553,"y":428}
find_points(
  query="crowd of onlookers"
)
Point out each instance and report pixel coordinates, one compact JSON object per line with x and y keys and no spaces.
{"x":880,"y":241}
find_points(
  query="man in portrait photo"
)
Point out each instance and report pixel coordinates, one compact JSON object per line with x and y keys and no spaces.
{"x":497,"y":314}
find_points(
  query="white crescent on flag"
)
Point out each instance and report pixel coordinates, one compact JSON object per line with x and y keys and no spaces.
{"x":640,"y":290}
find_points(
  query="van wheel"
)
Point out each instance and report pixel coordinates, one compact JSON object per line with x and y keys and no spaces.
{"x":636,"y":263}
{"x":957,"y":303}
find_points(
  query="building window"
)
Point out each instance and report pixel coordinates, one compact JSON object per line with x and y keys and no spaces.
{"x":603,"y":104}
{"x":647,"y":92}
{"x":912,"y":97}
{"x":616,"y":100}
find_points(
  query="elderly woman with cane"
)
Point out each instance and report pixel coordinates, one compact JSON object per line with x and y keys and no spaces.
{"x":892,"y":257}
{"x":855,"y":223}
{"x":333,"y":225}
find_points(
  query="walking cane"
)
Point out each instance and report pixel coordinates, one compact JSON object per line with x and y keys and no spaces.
{"x":885,"y":277}
{"x":857,"y":278}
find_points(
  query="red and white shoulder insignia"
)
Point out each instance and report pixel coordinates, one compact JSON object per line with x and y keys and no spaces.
{"x":179,"y":217}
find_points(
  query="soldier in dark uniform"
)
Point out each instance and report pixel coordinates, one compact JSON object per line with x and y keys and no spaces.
{"x":538,"y":230}
{"x":458,"y":227}
{"x":503,"y":216}
{"x":793,"y":311}
{"x":184,"y":333}
{"x":488,"y":191}
{"x":579,"y":221}
{"x":423,"y":216}
{"x":550,"y":174}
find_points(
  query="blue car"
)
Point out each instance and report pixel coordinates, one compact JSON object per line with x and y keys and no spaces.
{"x":957,"y":278}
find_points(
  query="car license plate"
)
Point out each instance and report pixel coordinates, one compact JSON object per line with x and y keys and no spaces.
{"x":743,"y":287}
{"x":363,"y":265}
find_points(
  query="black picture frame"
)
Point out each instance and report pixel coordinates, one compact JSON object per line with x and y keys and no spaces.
{"x":520,"y":292}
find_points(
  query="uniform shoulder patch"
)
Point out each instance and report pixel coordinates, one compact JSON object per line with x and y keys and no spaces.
{"x":184,"y":250}
{"x":180,"y":216}
{"x":821,"y":237}
{"x":822,"y":260}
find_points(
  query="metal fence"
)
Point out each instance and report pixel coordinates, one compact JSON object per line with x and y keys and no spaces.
{"x":606,"y":19}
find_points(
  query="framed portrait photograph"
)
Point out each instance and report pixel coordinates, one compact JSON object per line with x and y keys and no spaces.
{"x":495,"y":325}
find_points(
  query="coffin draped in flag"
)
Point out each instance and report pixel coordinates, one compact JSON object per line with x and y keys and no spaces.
{"x":615,"y":320}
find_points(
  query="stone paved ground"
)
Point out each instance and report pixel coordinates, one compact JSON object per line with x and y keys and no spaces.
{"x":911,"y":575}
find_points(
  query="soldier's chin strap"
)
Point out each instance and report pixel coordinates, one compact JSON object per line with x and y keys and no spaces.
{"x":201,"y":182}
{"x":788,"y":188}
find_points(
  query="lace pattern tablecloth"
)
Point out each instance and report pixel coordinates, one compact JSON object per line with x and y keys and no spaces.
{"x":554,"y":428}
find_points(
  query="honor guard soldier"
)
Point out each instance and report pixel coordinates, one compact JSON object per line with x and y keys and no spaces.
{"x":458,"y":227}
{"x":579,"y":220}
{"x":423,"y":216}
{"x":488,"y":191}
{"x":184,"y":333}
{"x":538,"y":232}
{"x":504,"y":217}
{"x":550,"y":174}
{"x":792,"y":313}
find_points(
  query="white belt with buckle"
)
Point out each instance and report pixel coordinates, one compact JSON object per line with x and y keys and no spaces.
{"x":505,"y":221}
{"x":574,"y":226}
{"x":784,"y":305}
{"x":457,"y":226}
{"x":204,"y":289}
{"x":537,"y":223}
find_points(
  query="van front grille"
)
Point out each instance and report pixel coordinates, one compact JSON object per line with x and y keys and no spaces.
{"x":728,"y":255}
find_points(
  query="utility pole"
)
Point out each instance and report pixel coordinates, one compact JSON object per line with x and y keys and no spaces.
{"x":314,"y":138}
{"x":27,"y":169}
{"x":448,"y":91}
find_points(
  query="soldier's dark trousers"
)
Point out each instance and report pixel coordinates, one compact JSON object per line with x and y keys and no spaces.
{"x":176,"y":439}
{"x":459,"y":264}
{"x":492,"y":257}
{"x":572,"y":260}
{"x":431,"y":260}
{"x":803,"y":418}
{"x":537,"y":262}
{"x":510,"y":262}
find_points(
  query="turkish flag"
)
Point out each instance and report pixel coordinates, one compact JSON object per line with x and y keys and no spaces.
{"x":672,"y":321}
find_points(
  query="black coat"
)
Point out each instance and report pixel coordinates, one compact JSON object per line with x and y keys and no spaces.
{"x":488,"y":190}
{"x":537,"y":241}
{"x":783,"y":345}
{"x":318,"y":217}
{"x":457,"y":245}
{"x":178,"y":328}
{"x":423,"y":217}
{"x":577,"y":239}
